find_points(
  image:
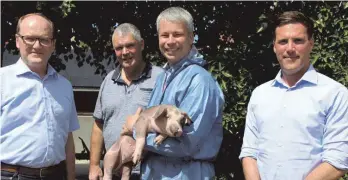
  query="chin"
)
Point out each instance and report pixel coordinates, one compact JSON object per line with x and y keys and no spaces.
{"x":34,"y":61}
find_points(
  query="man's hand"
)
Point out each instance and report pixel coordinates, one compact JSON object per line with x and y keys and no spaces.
{"x":130,"y":121}
{"x":95,"y":173}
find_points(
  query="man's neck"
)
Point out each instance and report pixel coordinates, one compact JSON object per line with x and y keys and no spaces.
{"x":292,"y":79}
{"x":40,"y":69}
{"x":130,"y":74}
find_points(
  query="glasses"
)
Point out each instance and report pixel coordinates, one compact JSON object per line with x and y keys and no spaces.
{"x":28,"y":40}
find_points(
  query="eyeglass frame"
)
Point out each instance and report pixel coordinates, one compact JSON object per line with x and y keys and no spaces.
{"x":36,"y":39}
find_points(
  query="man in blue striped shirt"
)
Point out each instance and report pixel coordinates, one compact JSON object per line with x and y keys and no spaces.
{"x":297,"y":124}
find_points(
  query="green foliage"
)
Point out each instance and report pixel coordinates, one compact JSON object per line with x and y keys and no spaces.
{"x":235,"y":37}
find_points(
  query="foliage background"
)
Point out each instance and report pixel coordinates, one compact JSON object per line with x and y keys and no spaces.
{"x":235,"y":37}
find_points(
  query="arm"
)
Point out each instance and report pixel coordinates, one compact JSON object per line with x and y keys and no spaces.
{"x":335,"y":141}
{"x":325,"y":171}
{"x":203,"y":102}
{"x":97,"y":141}
{"x":249,"y":148}
{"x":70,"y":157}
{"x":95,"y":171}
{"x":250,"y":169}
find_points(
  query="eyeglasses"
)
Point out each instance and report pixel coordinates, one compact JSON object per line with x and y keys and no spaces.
{"x":28,"y":40}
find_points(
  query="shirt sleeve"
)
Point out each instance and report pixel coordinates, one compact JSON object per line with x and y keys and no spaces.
{"x":251,"y":134}
{"x":74,"y":122}
{"x":203,"y":102}
{"x":98,"y":113}
{"x":335,"y":140}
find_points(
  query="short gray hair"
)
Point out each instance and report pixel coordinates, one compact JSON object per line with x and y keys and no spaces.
{"x":176,"y":14}
{"x":127,"y":28}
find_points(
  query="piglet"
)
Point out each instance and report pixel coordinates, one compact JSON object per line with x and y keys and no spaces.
{"x":167,"y":120}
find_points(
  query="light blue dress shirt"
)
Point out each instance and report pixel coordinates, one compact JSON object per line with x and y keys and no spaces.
{"x":36,"y":116}
{"x":193,"y":90}
{"x":291,"y":130}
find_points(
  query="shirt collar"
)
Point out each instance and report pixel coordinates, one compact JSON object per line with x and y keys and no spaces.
{"x":309,"y":76}
{"x":22,"y":68}
{"x":145,"y":74}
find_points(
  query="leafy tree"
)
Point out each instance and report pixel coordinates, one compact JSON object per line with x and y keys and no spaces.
{"x":235,"y":37}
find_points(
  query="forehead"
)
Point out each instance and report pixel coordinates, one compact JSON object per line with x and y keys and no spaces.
{"x":166,"y":26}
{"x":121,"y":39}
{"x":291,"y":30}
{"x":35,"y":25}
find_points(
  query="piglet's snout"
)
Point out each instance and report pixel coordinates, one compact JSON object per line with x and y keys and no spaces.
{"x":178,"y":133}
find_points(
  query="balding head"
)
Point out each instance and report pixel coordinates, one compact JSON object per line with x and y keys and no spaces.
{"x":34,"y":17}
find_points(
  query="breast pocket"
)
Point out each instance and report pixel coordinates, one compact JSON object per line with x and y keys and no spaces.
{"x":61,"y":110}
{"x":144,"y":96}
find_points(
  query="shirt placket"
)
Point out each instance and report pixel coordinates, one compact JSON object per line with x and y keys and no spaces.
{"x":48,"y":119}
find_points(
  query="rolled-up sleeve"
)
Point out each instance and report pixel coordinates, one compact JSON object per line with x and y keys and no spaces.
{"x":203,"y":102}
{"x":335,"y":140}
{"x":250,"y":139}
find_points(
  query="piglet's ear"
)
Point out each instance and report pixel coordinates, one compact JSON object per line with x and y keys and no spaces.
{"x":161,"y":111}
{"x":188,"y":120}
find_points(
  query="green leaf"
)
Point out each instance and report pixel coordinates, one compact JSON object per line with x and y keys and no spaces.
{"x":226,"y":74}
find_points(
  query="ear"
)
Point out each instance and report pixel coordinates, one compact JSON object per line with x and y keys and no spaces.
{"x":17,"y":41}
{"x":191,"y":37}
{"x":161,"y":111}
{"x":311,"y":42}
{"x":142,"y":44}
{"x":188,"y":120}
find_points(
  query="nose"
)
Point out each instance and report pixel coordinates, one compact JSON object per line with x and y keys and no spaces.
{"x":178,"y":133}
{"x":36,"y":44}
{"x":124,"y":50}
{"x":171,"y":39}
{"x":291,"y":46}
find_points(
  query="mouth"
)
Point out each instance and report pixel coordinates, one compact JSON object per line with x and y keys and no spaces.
{"x":170,"y":51}
{"x":291,"y":57}
{"x":127,"y":59}
{"x":36,"y":53}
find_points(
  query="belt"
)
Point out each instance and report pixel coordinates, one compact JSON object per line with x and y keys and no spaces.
{"x":39,"y":172}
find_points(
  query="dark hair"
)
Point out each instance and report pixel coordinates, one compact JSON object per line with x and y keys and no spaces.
{"x":290,"y":17}
{"x":35,"y":14}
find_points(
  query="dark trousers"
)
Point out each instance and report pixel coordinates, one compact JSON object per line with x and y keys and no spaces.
{"x":15,"y":176}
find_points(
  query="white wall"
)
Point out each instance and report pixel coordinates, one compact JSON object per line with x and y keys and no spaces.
{"x":79,"y":76}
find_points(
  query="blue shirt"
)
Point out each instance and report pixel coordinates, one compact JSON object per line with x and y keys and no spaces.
{"x":291,"y":130}
{"x":193,"y":90}
{"x":36,"y":116}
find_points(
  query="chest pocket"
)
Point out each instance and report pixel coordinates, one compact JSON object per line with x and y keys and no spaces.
{"x":144,"y":96}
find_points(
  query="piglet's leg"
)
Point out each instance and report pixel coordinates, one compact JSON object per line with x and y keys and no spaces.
{"x":160,"y":138}
{"x":139,"y":146}
{"x":112,"y":158}
{"x":120,"y":153}
{"x":126,"y":171}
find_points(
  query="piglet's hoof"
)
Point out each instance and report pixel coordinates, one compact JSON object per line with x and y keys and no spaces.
{"x":136,"y":159}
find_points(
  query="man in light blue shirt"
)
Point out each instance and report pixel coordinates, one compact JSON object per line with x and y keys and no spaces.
{"x":38,"y":113}
{"x":187,"y":85}
{"x":297,"y":124}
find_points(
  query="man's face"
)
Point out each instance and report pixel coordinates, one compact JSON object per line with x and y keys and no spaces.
{"x":292,"y":47}
{"x":128,"y":50}
{"x":36,"y":54}
{"x":174,"y":40}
